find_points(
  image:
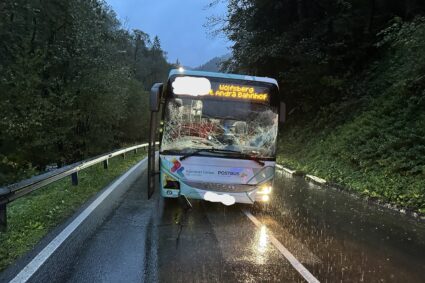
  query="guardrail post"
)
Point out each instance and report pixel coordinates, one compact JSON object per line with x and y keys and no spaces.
{"x":3,"y":218}
{"x":74,"y":178}
{"x":135,"y":151}
{"x":105,"y":164}
{"x":123,"y":155}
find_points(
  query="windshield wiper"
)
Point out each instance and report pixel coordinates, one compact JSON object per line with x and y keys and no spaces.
{"x":213,"y":150}
{"x":250,"y":157}
{"x":216,"y":150}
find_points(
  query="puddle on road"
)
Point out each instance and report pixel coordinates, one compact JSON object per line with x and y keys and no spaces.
{"x":246,"y":250}
{"x":354,"y":241}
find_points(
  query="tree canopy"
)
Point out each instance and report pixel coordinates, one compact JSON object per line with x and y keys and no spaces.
{"x":72,"y":83}
{"x":352,"y":73}
{"x":312,"y":46}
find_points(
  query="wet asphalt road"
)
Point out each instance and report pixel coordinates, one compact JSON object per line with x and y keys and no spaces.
{"x":337,"y":238}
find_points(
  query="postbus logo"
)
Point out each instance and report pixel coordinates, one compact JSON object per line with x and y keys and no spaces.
{"x":228,"y":173}
{"x":177,"y":167}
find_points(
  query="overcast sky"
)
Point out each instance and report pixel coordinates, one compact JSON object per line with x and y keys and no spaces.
{"x":179,"y":25}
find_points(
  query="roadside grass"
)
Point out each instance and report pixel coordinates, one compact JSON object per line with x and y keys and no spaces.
{"x":376,"y":150}
{"x":32,"y":217}
{"x":404,"y":191}
{"x":373,"y":142}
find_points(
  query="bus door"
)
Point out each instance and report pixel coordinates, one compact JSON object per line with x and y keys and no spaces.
{"x":153,"y":160}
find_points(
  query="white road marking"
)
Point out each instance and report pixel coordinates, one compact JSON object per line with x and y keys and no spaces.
{"x":31,"y":268}
{"x":287,"y":254}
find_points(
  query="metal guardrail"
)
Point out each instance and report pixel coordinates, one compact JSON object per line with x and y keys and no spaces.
{"x":17,"y":190}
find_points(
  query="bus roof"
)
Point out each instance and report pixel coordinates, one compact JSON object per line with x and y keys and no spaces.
{"x":222,"y":75}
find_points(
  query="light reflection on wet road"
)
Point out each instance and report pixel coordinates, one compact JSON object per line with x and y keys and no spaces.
{"x":355,"y":241}
{"x":213,"y":243}
{"x":336,"y":237}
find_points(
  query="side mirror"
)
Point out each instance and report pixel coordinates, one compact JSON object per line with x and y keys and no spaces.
{"x":155,"y":97}
{"x":282,"y":112}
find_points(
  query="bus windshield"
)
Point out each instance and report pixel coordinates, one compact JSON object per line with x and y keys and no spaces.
{"x":192,"y":124}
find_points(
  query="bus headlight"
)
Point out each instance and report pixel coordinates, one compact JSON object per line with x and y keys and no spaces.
{"x":265,"y":189}
{"x":265,"y":198}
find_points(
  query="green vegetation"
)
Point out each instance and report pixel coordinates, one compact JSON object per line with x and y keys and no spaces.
{"x":352,"y":74}
{"x":32,"y":217}
{"x":72,"y":83}
{"x":375,"y":144}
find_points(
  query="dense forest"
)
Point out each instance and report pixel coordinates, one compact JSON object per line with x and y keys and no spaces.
{"x":72,"y":83}
{"x":352,"y":73}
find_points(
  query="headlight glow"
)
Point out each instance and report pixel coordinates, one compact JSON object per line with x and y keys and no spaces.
{"x":265,"y":198}
{"x":265,"y":189}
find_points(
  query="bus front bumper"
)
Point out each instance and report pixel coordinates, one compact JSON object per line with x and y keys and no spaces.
{"x":227,"y":198}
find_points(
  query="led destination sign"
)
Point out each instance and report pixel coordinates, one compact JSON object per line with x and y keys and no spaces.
{"x":239,"y":92}
{"x":196,"y":86}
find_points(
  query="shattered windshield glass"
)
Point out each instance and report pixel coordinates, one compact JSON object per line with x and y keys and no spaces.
{"x":193,"y":124}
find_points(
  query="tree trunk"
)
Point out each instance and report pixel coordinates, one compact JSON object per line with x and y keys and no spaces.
{"x":300,"y":10}
{"x":409,"y":8}
{"x":372,"y":8}
{"x":34,"y":32}
{"x":330,"y":26}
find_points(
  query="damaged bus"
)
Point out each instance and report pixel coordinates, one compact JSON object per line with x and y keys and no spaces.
{"x":217,"y":136}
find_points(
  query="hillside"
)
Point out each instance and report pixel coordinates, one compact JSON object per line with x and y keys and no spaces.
{"x":213,"y":65}
{"x":372,"y":143}
{"x":352,"y":74}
